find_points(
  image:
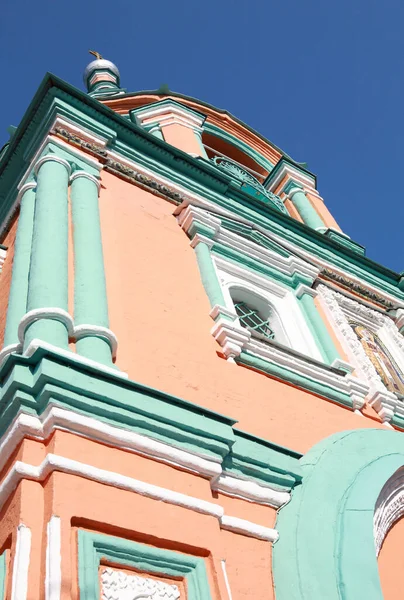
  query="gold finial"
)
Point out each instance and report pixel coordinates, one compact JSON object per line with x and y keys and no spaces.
{"x":96,"y":54}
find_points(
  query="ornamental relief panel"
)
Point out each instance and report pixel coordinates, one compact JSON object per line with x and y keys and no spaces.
{"x":371,"y":340}
{"x":118,"y":585}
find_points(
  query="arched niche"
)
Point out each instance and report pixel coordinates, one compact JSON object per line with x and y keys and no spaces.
{"x":326,"y":548}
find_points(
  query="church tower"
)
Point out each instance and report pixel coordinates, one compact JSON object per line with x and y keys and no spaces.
{"x":201,"y":375}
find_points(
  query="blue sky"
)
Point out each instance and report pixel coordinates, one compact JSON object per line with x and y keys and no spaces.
{"x":323,"y":80}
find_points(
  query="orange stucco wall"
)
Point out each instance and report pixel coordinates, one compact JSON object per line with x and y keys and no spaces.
{"x":82,"y":503}
{"x":391,"y":562}
{"x":5,"y":276}
{"x":160,"y":313}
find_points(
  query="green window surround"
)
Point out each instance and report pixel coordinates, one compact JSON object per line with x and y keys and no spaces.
{"x":94,"y":548}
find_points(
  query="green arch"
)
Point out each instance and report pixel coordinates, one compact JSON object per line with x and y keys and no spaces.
{"x":326,"y":548}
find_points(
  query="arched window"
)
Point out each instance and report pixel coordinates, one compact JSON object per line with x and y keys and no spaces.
{"x":257,"y":315}
{"x":251,"y":319}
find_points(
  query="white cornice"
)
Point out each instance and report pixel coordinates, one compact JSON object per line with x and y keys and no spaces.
{"x":53,"y":462}
{"x":167,"y":114}
{"x":295,"y":174}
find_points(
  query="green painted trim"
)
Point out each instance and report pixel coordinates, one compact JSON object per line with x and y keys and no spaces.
{"x":48,"y":278}
{"x":306,"y":210}
{"x":3,"y":573}
{"x":17,"y":300}
{"x":90,"y":291}
{"x":30,"y":385}
{"x":257,"y":459}
{"x":48,"y":377}
{"x":318,"y":329}
{"x":291,"y":281}
{"x":306,"y":383}
{"x":166,"y":160}
{"x":342,"y":239}
{"x":326,"y":546}
{"x":95,"y":547}
{"x":208,"y":273}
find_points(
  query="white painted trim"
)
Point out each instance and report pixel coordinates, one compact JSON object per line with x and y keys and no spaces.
{"x":81,"y":360}
{"x":389,"y":507}
{"x":226,"y":578}
{"x":7,"y":350}
{"x":305,"y":289}
{"x":339,"y":309}
{"x":292,"y":265}
{"x":292,"y":322}
{"x":172,"y":113}
{"x":248,"y":528}
{"x":294,"y":191}
{"x":57,"y":314}
{"x":83,"y":133}
{"x":27,"y":186}
{"x":21,"y":562}
{"x":54,"y":462}
{"x":250,"y":491}
{"x":53,"y":581}
{"x":81,"y":174}
{"x":81,"y":331}
{"x":3,"y":256}
{"x":55,"y":417}
{"x":51,"y":158}
{"x":294,"y":173}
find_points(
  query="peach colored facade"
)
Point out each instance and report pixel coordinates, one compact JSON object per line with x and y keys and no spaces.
{"x":153,"y":436}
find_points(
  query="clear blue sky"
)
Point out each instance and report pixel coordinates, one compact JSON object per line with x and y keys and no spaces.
{"x":324,"y":80}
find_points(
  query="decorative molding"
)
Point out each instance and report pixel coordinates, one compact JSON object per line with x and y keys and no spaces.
{"x":21,"y":562}
{"x":95,"y":549}
{"x":54,"y":462}
{"x":389,"y":508}
{"x":305,"y":289}
{"x":81,"y":331}
{"x":37,"y":344}
{"x":231,"y":336}
{"x":250,"y":491}
{"x":57,"y":314}
{"x":118,"y":167}
{"x":356,"y":287}
{"x":55,"y":417}
{"x":339,"y":308}
{"x":117,"y":585}
{"x":77,"y":174}
{"x":249,"y":529}
{"x":53,"y":581}
{"x":53,"y":158}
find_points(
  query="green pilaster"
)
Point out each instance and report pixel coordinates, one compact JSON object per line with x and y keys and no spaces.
{"x":48,"y":280}
{"x":317,"y":326}
{"x":305,"y":209}
{"x":90,"y":293}
{"x":17,"y":302}
{"x":208,"y":273}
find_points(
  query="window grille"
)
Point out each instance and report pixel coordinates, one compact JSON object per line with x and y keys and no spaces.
{"x":252,"y":320}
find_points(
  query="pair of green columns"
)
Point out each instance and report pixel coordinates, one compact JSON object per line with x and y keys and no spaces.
{"x":38,"y":299}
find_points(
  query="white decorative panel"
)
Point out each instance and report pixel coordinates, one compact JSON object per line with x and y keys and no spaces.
{"x":117,"y":585}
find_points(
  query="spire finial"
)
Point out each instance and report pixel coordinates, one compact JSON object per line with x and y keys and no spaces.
{"x":96,"y":54}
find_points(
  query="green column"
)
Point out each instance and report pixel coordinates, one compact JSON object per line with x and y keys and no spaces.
{"x":17,"y":300}
{"x":305,"y":209}
{"x":207,"y":270}
{"x":90,"y":293}
{"x":48,"y":279}
{"x":316,"y":324}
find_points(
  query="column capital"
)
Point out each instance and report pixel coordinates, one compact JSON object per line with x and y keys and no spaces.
{"x":84,"y":174}
{"x":27,"y":186}
{"x":54,"y":158}
{"x":294,"y":190}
